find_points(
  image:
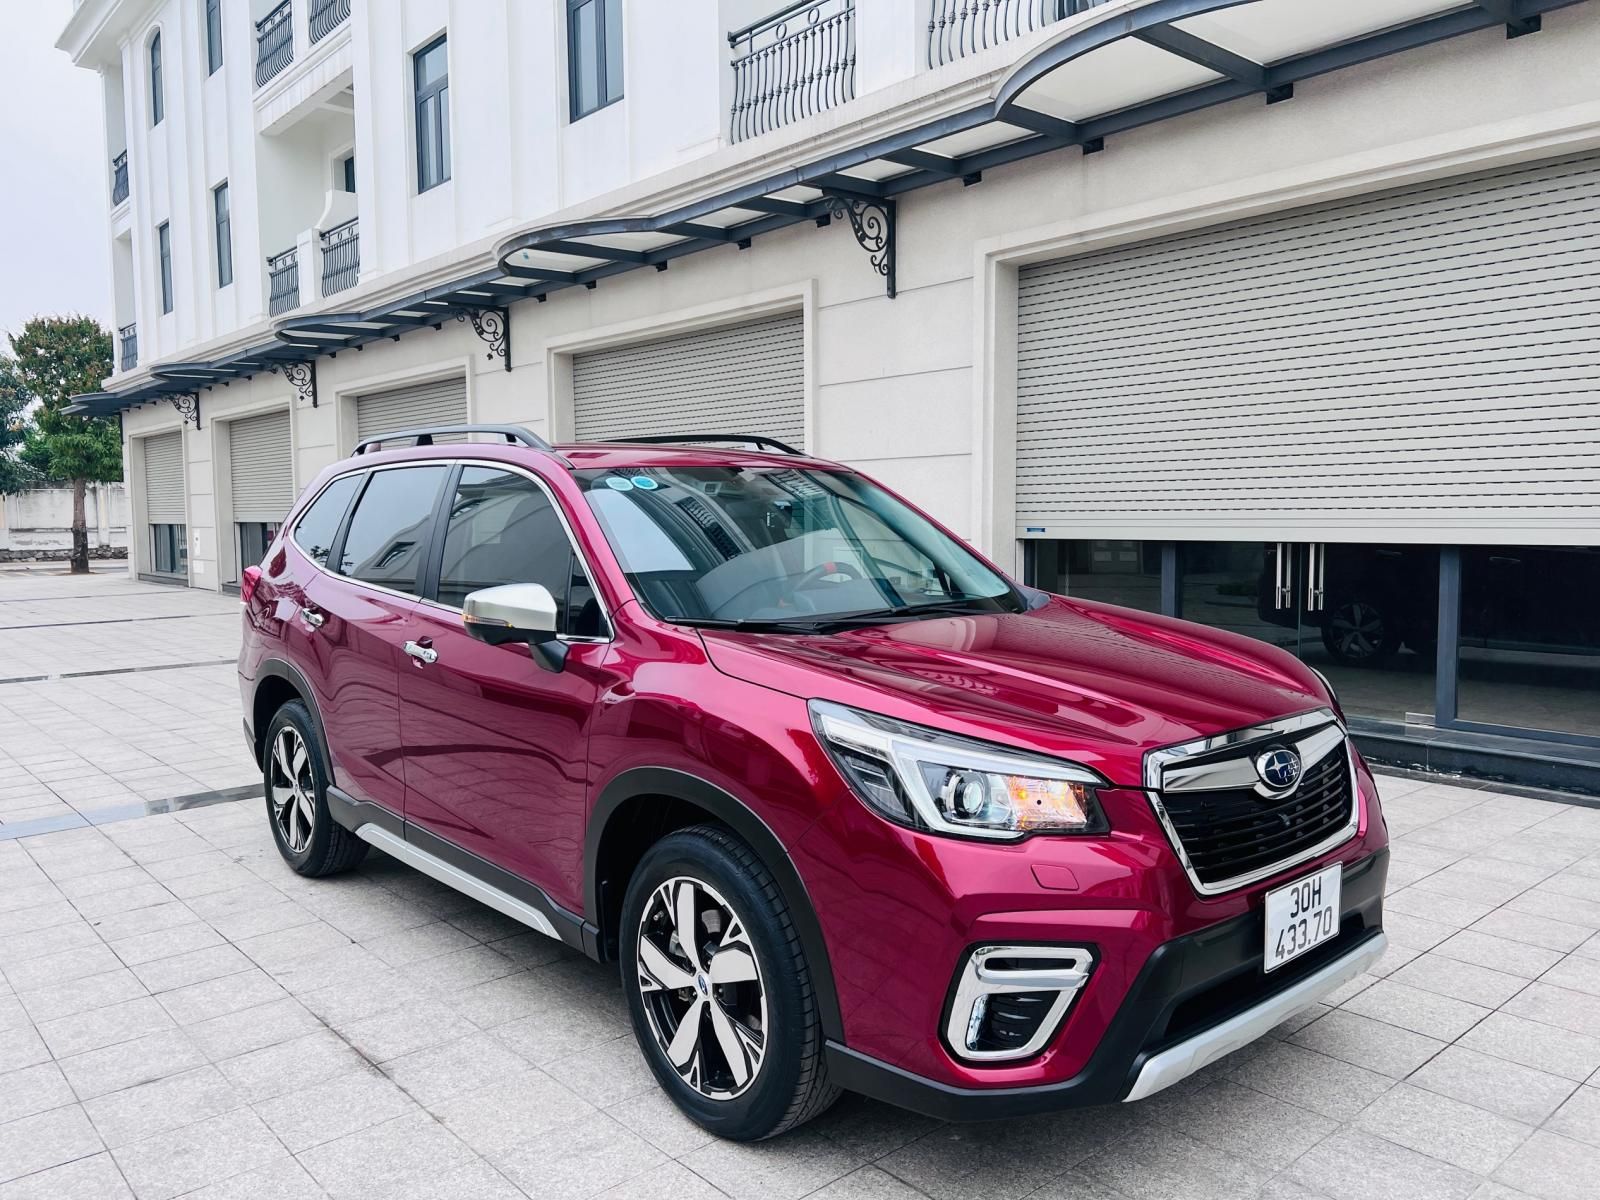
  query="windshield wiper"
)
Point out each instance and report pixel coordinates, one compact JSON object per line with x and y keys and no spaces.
{"x":837,"y":622}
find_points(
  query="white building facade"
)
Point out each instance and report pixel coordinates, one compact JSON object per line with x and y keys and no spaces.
{"x":1281,"y":315}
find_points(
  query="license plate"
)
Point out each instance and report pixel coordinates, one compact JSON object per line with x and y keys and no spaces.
{"x":1301,"y":915}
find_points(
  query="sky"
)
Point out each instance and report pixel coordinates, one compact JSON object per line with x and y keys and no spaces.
{"x":55,"y":250}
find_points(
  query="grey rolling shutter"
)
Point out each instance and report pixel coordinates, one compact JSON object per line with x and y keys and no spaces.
{"x":747,"y":378}
{"x":1414,"y":365}
{"x":440,"y":402}
{"x":261,"y":467}
{"x":163,"y":479}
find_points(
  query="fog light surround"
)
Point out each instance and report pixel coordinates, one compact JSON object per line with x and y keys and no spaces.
{"x":1041,"y":983}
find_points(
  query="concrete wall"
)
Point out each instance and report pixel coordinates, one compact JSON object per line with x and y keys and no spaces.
{"x":38,"y":524}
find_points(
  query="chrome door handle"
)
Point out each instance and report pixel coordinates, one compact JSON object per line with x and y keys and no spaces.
{"x":312,"y":617}
{"x":1316,"y":576}
{"x":423,"y":654}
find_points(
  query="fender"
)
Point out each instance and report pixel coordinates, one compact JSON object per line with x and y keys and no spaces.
{"x":733,"y":812}
{"x":277,"y":668}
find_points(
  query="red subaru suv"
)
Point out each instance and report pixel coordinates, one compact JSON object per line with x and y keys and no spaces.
{"x":850,"y":808}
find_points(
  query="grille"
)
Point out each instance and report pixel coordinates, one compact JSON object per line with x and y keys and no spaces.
{"x":1237,"y":831}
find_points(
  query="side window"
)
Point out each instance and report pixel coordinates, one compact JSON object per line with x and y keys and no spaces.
{"x":503,"y":529}
{"x":389,"y":530}
{"x":319,"y":524}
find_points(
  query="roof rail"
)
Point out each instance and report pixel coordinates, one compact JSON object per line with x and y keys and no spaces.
{"x":679,"y":439}
{"x":424,"y":436}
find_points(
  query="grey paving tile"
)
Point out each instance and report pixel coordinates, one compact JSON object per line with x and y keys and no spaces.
{"x":172,"y":1163}
{"x":457,"y":973}
{"x":869,"y":1129}
{"x":333,"y":1109}
{"x":81,"y":995}
{"x":1159,"y":1163}
{"x":154,"y":945}
{"x":199,"y":1002}
{"x":250,"y":1029}
{"x":420,"y":942}
{"x":496,"y":1120}
{"x":1228,"y":1117}
{"x":1534,"y":1044}
{"x":558,"y":1029}
{"x":1553,"y":1168}
{"x":18,"y":948}
{"x":655,"y":1118}
{"x":122,"y":1022}
{"x":93,"y":1178}
{"x":1579,"y":1117}
{"x":45,"y":1140}
{"x":402,"y":1157}
{"x":1455,"y":1132}
{"x":466,"y":1064}
{"x":161,"y":1105}
{"x":1539,"y":1001}
{"x":1365,"y":1042}
{"x":1421,"y":1011}
{"x":1495,"y":1084}
{"x":31,"y":1090}
{"x":605,"y":1072}
{"x":1416,"y":933}
{"x":1420,"y":900}
{"x":1575,"y":973}
{"x":49,"y":915}
{"x":281,"y":1179}
{"x":62,"y":967}
{"x":1073,"y":1185}
{"x":196,"y":966}
{"x":406,"y":1029}
{"x":579,"y":1159}
{"x":1501,"y":954}
{"x":1470,"y":982}
{"x":127,"y":1064}
{"x":290,"y":1066}
{"x":1355,"y":1165}
{"x":1533,"y":929}
{"x":1556,"y":907}
{"x":306,"y":956}
{"x":677,"y":1181}
{"x":796,"y":1167}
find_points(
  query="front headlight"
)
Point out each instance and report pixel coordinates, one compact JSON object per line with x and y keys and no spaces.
{"x":1333,"y":696}
{"x":947,"y":784}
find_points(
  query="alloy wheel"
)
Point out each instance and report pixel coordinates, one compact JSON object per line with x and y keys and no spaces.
{"x":702,"y":988}
{"x":291,"y":789}
{"x":1357,"y":630}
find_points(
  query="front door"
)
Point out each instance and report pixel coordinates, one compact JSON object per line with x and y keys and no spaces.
{"x":496,"y":743}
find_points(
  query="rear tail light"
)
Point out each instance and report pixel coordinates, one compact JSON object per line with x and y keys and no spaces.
{"x":247,"y":585}
{"x":1010,"y":1000}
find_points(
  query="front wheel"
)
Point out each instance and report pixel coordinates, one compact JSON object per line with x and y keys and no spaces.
{"x":718,"y":987}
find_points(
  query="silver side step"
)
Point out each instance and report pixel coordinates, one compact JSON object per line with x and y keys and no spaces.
{"x":1165,"y":1069}
{"x":467,"y":885}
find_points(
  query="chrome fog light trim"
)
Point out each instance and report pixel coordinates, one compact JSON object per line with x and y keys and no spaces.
{"x":988,"y":971}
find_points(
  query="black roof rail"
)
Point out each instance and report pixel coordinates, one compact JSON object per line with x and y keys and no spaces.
{"x":423,"y":436}
{"x":679,"y":439}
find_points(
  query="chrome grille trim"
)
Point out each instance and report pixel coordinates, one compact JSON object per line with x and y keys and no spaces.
{"x":1309,"y":733}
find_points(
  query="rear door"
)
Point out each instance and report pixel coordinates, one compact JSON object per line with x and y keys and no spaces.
{"x":496,"y":744}
{"x":355,"y":618}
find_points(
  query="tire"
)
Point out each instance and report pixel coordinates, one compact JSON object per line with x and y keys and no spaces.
{"x":765,"y":1007}
{"x":1358,"y":632}
{"x":294,"y":777}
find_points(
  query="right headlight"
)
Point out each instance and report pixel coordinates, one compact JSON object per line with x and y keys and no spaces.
{"x":953,"y":785}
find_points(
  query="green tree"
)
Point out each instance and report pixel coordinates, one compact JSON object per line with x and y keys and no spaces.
{"x":52,"y":360}
{"x":14,"y":473}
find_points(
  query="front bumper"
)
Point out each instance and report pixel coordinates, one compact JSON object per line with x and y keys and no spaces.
{"x":1197,"y":998}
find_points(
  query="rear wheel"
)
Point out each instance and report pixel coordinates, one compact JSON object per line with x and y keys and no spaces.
{"x":295,"y":779}
{"x":1358,"y":632}
{"x":718,"y":987}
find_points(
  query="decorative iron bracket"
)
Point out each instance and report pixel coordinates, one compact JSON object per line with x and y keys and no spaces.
{"x":493,"y":327}
{"x":302,"y":377}
{"x":188,"y":406}
{"x":872,"y":221}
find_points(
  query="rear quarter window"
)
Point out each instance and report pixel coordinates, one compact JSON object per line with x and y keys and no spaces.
{"x":319,"y":524}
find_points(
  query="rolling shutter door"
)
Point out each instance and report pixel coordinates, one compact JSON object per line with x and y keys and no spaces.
{"x":1404,"y":365}
{"x":747,"y":378}
{"x":441,"y":402}
{"x":163,"y":480}
{"x":261,"y":467}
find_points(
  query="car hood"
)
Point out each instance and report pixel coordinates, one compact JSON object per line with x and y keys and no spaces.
{"x":1094,"y":683}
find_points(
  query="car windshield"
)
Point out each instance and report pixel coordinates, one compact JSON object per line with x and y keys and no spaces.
{"x":781,"y":548}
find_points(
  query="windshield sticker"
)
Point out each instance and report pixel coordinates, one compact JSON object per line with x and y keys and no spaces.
{"x":618,"y":484}
{"x":644,"y":483}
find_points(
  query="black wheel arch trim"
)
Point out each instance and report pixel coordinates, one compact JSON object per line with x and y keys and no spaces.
{"x":277,"y":668}
{"x":738,"y":816}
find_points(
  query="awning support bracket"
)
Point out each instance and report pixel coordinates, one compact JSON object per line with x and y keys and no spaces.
{"x":872,"y":222}
{"x":493,"y":327}
{"x":302,"y":377}
{"x":1510,"y":12}
{"x":188,"y":406}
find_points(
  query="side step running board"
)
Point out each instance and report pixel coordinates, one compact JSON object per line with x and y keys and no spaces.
{"x":469,"y":885}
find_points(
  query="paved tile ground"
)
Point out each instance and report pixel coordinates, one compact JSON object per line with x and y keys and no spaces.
{"x":180,"y":1015}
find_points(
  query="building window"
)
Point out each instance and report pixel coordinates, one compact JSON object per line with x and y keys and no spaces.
{"x":594,"y":54}
{"x":431,"y":68}
{"x":347,"y":173}
{"x":254,"y":539}
{"x":213,"y":36}
{"x":219,"y":212}
{"x":158,"y":104}
{"x":169,"y":550}
{"x":164,"y":245}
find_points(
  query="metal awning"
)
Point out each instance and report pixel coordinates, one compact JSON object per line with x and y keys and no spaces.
{"x":1106,"y":71}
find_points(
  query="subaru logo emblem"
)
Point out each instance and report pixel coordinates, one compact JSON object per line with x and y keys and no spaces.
{"x":1279,"y":768}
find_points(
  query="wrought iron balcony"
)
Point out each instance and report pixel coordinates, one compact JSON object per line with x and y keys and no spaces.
{"x":128,"y":347}
{"x":274,"y":42}
{"x":119,"y":178}
{"x":792,"y":64}
{"x":957,"y":28}
{"x":325,"y":16}
{"x":341,"y":258}
{"x":283,"y":270}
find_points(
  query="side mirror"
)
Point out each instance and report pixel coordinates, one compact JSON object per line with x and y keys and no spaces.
{"x":516,"y":612}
